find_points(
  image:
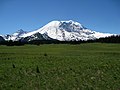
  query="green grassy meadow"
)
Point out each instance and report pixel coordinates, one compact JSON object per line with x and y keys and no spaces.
{"x":89,"y":66}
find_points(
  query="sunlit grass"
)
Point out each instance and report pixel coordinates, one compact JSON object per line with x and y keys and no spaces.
{"x":92,"y":66}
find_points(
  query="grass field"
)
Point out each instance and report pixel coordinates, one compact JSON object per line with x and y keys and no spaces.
{"x":90,"y":66}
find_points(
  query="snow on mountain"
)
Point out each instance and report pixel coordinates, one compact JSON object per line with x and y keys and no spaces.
{"x":15,"y":36}
{"x":67,"y":30}
{"x":59,"y":30}
{"x":36,"y":36}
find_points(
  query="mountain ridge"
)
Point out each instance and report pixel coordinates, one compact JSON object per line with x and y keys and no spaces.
{"x":58,"y":30}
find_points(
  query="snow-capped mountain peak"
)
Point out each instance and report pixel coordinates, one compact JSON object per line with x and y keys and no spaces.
{"x":71,"y":26}
{"x":15,"y":36}
{"x":69,"y":30}
{"x":71,"y":22}
{"x":60,"y":30}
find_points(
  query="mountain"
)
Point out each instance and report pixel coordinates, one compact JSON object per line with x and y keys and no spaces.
{"x":15,"y":36}
{"x":58,"y":30}
{"x":36,"y":36}
{"x":1,"y":39}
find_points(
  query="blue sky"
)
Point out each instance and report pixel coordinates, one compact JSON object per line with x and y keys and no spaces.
{"x":29,"y":15}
